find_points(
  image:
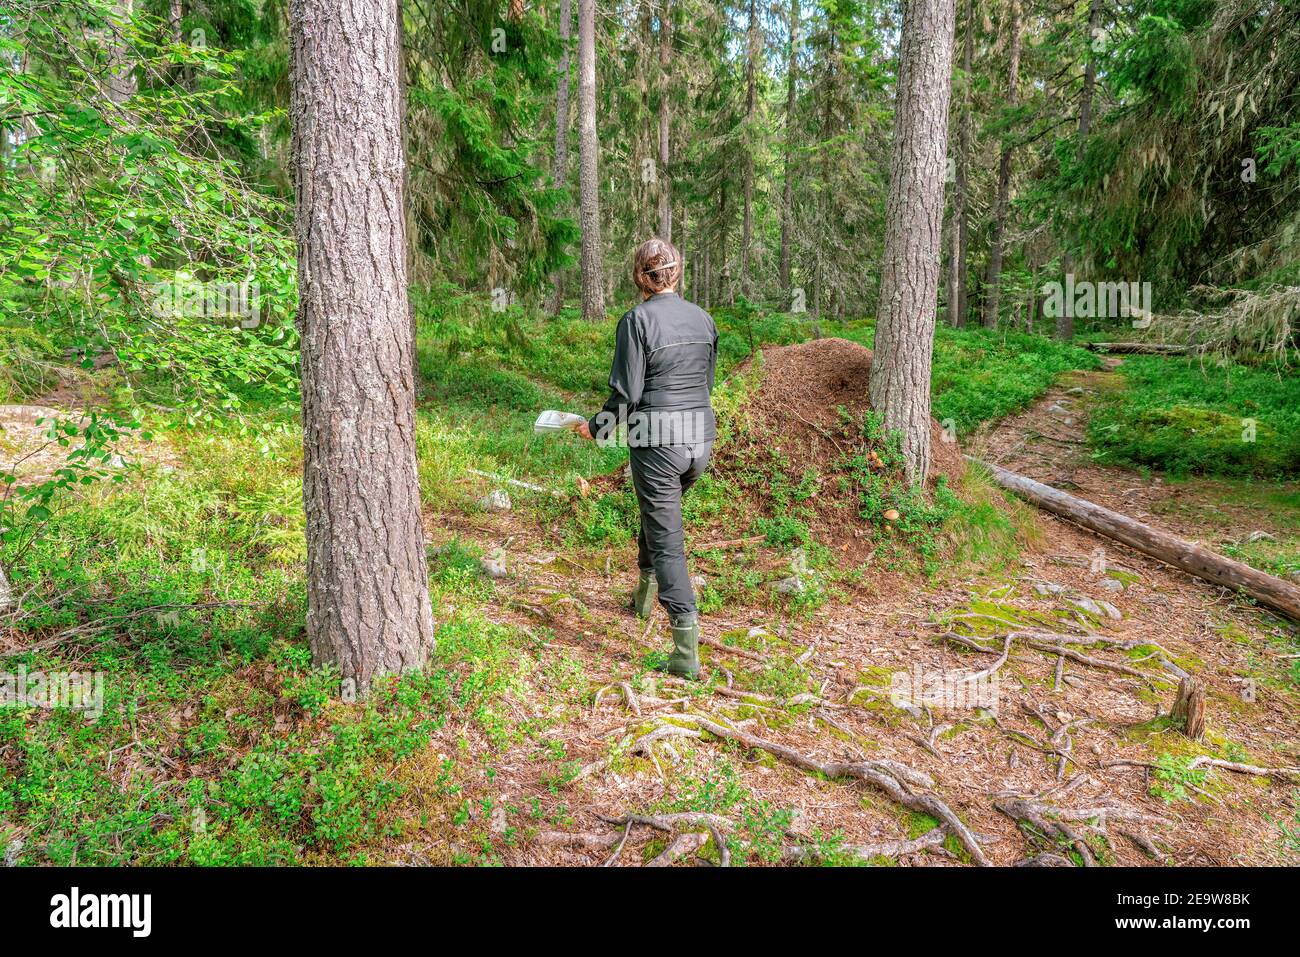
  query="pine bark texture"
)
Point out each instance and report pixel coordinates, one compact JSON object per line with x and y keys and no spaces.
{"x":593,"y":286}
{"x":900,"y":370}
{"x":368,"y":606}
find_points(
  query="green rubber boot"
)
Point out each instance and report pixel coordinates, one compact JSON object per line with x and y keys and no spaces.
{"x":685,"y":659}
{"x":643,"y":599}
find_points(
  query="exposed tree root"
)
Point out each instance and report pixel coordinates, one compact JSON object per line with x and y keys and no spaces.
{"x":738,"y":652}
{"x":586,"y":840}
{"x":628,"y":695}
{"x":683,"y":845}
{"x":1053,"y":824}
{"x":1289,"y":775}
{"x":1048,"y":643}
{"x":618,"y":848}
{"x":1286,"y":775}
{"x":1025,"y":812}
{"x":893,"y":778}
{"x":867,"y":852}
{"x":1045,"y":860}
{"x":642,"y":746}
{"x":1144,"y":843}
{"x":675,"y":820}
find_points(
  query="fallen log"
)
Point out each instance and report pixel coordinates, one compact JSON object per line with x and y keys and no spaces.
{"x":1187,"y":556}
{"x":1143,"y":348}
{"x":515,"y":483}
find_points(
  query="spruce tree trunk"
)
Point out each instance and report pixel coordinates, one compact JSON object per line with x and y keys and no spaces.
{"x":665,"y":181}
{"x":368,"y":607}
{"x":787,"y":188}
{"x":909,"y":288}
{"x":1065,"y":317}
{"x":751,"y":102}
{"x":993,"y":294}
{"x":824,"y":200}
{"x":560,"y":163}
{"x":593,"y":283}
{"x":723,"y":279}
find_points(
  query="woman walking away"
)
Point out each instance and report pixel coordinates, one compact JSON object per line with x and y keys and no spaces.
{"x":665,"y":354}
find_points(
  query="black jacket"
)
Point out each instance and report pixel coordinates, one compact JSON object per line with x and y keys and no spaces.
{"x":665,"y":355}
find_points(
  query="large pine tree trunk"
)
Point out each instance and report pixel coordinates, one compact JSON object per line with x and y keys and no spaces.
{"x":368,"y":608}
{"x":993,"y":296}
{"x":593,"y":285}
{"x":665,"y":181}
{"x":909,"y":286}
{"x":787,"y":187}
{"x":560,"y":165}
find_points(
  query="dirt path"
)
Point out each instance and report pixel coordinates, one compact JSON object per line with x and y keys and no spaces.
{"x":1075,"y":745}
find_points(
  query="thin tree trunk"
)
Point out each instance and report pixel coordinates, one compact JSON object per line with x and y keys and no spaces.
{"x":646,"y":147}
{"x":560,"y":164}
{"x":909,"y":287}
{"x":787,"y":188}
{"x":408,"y":211}
{"x":957,"y":296}
{"x":593,"y":285}
{"x":664,"y":179}
{"x":751,"y":102}
{"x":1065,"y":319}
{"x":723,"y":281}
{"x":993,"y":295}
{"x":954,"y":248}
{"x":821,"y":294}
{"x":368,"y":607}
{"x":686,"y":259}
{"x":120,"y":84}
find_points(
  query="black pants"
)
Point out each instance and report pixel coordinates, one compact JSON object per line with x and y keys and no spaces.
{"x":661,"y":475}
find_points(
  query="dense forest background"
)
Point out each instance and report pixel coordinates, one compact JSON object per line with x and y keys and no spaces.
{"x":1150,"y":142}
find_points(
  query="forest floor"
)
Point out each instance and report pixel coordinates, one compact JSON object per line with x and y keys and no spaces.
{"x":833,"y":724}
{"x":1078,"y":760}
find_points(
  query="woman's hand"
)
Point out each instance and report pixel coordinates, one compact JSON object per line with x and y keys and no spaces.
{"x":583,"y":430}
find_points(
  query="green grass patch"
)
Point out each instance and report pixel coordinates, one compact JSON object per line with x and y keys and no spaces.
{"x":1184,"y":416}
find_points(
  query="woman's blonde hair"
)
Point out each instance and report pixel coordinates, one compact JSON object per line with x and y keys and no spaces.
{"x":656,"y":266}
